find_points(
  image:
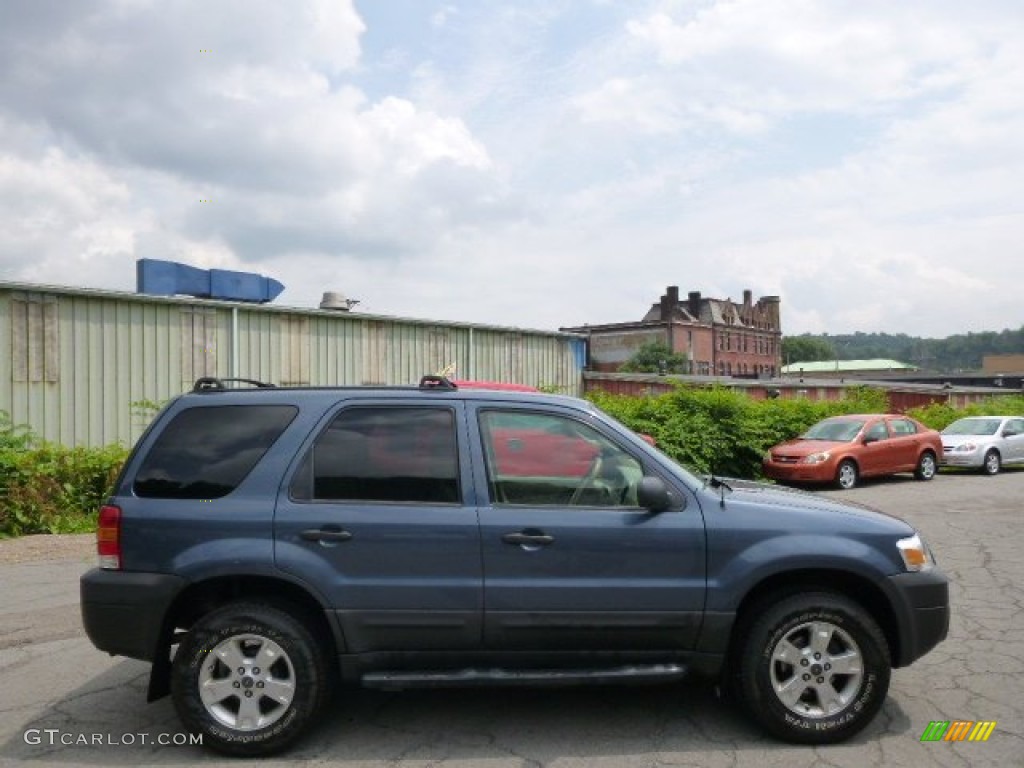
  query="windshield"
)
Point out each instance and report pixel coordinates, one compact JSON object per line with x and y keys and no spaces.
{"x":837,"y":430}
{"x":973,"y":427}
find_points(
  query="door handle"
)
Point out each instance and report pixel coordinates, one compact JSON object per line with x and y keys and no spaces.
{"x":325,"y":535}
{"x":528,"y":539}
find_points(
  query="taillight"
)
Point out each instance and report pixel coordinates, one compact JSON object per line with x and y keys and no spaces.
{"x":108,"y":538}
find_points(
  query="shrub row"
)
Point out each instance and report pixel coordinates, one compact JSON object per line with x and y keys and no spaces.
{"x":47,"y":488}
{"x":720,"y":431}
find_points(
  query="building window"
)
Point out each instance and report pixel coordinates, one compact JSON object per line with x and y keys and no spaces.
{"x":198,"y":344}
{"x":294,"y":351}
{"x":34,"y":341}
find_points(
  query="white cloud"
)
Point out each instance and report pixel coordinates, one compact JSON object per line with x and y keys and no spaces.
{"x":547,"y":164}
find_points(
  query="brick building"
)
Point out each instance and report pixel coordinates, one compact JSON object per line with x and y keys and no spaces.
{"x":717,"y":337}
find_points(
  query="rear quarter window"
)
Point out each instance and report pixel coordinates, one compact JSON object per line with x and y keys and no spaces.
{"x":206,"y":452}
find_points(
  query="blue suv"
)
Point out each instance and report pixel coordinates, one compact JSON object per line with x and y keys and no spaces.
{"x":264,"y":545}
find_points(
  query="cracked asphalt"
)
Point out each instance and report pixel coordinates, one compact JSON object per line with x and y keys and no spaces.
{"x":55,"y":687}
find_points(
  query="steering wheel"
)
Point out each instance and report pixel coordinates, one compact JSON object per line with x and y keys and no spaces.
{"x":593,"y":471}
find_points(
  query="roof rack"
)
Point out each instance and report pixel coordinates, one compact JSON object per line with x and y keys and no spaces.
{"x":437,"y":382}
{"x":213,"y":384}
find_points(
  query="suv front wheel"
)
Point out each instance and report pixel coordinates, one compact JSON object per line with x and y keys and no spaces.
{"x":249,"y":677}
{"x":814,"y":669}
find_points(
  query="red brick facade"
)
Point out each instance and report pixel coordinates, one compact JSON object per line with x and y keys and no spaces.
{"x":718,"y":337}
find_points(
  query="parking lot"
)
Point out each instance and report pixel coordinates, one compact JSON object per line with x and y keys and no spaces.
{"x":64,"y":703}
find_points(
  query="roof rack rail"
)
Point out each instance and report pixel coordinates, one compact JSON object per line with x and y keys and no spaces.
{"x":213,"y":384}
{"x":437,"y":382}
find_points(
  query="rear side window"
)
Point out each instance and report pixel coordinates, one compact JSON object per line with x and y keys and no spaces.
{"x":903,"y":427}
{"x":393,"y":454}
{"x":205,"y":453}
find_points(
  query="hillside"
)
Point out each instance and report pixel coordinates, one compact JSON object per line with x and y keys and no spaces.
{"x":955,"y":353}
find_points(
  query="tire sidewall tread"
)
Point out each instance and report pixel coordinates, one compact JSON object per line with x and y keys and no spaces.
{"x":776,"y":621}
{"x":306,"y":654}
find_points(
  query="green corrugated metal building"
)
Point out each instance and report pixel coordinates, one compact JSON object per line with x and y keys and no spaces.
{"x":73,"y":361}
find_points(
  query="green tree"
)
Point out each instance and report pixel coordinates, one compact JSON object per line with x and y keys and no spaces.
{"x":806,"y":349}
{"x":655,"y":357}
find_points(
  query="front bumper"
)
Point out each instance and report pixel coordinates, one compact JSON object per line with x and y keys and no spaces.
{"x":922,"y":612}
{"x":123,"y":612}
{"x":824,"y":472}
{"x":950,"y":459}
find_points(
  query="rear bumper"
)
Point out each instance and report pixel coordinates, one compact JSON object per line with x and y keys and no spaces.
{"x":123,"y":613}
{"x":922,"y":613}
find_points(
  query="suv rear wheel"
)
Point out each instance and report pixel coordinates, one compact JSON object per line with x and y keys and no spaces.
{"x":814,"y":668}
{"x":249,"y":677}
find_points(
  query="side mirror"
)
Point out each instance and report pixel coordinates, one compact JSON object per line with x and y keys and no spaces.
{"x":869,"y":439}
{"x":652,"y":494}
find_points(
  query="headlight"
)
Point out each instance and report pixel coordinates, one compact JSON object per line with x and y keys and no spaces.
{"x":966,"y":448}
{"x":816,"y":458}
{"x":915,"y":553}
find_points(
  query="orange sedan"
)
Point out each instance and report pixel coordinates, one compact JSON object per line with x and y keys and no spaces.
{"x":843,"y":449}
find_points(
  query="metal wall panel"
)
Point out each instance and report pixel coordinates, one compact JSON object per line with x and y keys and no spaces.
{"x":75,"y":364}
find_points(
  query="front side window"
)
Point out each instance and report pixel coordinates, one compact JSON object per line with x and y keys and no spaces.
{"x":383,"y":454}
{"x":540,"y":459}
{"x":205,"y":453}
{"x":877,"y":431}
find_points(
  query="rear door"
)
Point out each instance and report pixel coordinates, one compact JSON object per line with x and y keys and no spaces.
{"x":379,"y":515}
{"x":906,"y":442}
{"x":571,"y":562}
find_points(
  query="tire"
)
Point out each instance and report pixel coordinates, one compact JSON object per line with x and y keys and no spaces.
{"x":788,"y":678}
{"x":926,"y":466}
{"x":211,"y":693}
{"x":847,"y":474}
{"x":993,"y":462}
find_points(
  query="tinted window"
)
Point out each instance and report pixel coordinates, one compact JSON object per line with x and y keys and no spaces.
{"x":384,"y":454}
{"x":548,"y":460}
{"x":204,"y":453}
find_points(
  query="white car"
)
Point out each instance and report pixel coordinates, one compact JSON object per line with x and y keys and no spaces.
{"x":984,"y":442}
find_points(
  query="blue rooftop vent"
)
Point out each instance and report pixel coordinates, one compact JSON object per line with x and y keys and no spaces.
{"x":169,"y":278}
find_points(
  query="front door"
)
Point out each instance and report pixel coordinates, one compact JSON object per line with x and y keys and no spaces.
{"x":1014,"y":441}
{"x":571,"y":562}
{"x":380,"y":517}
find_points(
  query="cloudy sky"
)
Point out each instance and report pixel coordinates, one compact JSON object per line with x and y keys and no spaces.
{"x":537,"y":163}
